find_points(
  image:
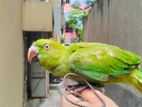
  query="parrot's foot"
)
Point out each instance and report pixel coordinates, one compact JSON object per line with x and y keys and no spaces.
{"x":75,"y":90}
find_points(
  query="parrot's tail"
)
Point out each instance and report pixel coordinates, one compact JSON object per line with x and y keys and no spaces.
{"x":136,"y":79}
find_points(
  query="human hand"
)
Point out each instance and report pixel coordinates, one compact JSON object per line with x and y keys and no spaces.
{"x":91,"y":100}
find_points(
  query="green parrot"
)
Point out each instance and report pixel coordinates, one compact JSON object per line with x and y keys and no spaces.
{"x":95,"y":62}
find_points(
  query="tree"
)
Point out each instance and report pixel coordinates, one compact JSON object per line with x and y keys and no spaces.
{"x":76,"y":20}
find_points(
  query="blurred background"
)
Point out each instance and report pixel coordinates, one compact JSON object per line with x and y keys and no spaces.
{"x":116,"y":22}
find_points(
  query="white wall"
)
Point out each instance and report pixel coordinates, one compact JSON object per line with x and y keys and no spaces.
{"x":11,"y":54}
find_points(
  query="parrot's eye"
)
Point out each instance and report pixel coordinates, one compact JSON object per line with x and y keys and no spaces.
{"x":46,"y":46}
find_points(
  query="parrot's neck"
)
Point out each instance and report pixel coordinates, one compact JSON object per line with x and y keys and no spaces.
{"x":62,"y":67}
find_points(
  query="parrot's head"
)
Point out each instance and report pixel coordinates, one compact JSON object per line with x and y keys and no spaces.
{"x":48,"y":52}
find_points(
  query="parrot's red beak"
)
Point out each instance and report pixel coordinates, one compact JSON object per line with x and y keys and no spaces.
{"x":32,"y":53}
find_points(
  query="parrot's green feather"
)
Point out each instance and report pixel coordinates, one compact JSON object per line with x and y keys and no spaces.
{"x":102,"y":59}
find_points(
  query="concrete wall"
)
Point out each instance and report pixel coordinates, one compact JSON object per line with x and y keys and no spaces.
{"x":11,"y":54}
{"x":37,"y":16}
{"x":56,"y":7}
{"x":118,"y":22}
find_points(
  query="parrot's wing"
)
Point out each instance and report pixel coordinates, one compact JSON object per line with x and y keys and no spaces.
{"x":100,"y":62}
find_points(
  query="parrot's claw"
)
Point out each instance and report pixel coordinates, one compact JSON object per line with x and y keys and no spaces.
{"x":75,"y":90}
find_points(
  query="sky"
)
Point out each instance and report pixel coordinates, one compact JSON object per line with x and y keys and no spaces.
{"x":80,"y":1}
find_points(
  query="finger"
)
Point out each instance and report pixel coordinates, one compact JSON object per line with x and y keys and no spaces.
{"x":73,"y":99}
{"x":93,"y":100}
{"x":109,"y":102}
{"x":101,"y":89}
{"x":90,"y":97}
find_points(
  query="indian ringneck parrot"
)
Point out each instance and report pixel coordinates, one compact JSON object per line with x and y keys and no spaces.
{"x":95,"y":62}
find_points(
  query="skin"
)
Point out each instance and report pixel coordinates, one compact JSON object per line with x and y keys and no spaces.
{"x":91,"y":99}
